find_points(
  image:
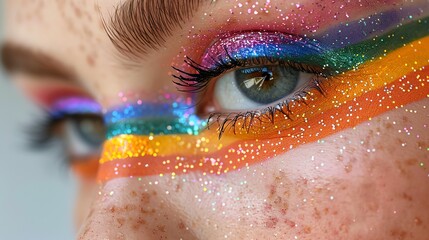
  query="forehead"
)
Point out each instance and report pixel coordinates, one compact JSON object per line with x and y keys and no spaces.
{"x":65,"y":29}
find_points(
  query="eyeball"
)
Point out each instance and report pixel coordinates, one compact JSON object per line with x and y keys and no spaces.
{"x":253,"y":87}
{"x":83,"y":136}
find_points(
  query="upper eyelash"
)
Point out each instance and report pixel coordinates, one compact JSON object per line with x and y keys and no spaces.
{"x":196,"y":82}
{"x":41,"y":132}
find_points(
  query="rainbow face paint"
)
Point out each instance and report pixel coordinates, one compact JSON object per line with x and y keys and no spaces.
{"x":392,"y":72}
{"x":145,"y":118}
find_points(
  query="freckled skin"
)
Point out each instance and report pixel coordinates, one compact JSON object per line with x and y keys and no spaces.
{"x":370,"y":182}
{"x":381,"y":197}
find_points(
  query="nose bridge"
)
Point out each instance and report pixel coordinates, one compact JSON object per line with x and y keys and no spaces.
{"x":135,"y":209}
{"x":130,"y":203}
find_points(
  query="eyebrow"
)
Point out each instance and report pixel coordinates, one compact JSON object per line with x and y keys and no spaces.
{"x":138,"y":26}
{"x":19,"y":59}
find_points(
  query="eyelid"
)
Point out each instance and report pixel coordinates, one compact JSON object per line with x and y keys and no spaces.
{"x":271,"y":45}
{"x":238,"y":51}
{"x":74,"y":106}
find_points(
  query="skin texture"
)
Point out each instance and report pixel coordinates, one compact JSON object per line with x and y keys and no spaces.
{"x":366,"y":182}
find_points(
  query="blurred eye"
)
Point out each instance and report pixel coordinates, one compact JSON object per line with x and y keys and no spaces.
{"x":83,"y":135}
{"x":252,"y":87}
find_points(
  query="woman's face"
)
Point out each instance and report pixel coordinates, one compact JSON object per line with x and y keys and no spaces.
{"x":233,"y":119}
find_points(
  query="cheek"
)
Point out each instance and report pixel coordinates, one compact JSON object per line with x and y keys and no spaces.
{"x":363,"y":182}
{"x":366,"y":182}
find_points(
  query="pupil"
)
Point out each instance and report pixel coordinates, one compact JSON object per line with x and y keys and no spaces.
{"x":266,"y":84}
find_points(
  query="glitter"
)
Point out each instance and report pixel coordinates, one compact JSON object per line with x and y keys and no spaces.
{"x":189,"y":153}
{"x":150,"y":118}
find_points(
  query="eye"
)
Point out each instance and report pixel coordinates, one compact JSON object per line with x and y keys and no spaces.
{"x":253,"y":87}
{"x":82,"y":136}
{"x":248,"y":76}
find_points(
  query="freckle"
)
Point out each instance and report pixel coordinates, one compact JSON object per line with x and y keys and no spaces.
{"x":130,"y":207}
{"x":344,"y":228}
{"x":306,"y":230}
{"x":120,"y":221}
{"x":316,"y":214}
{"x":290,"y":223}
{"x":77,"y":12}
{"x":271,"y":222}
{"x":133,"y":194}
{"x":398,"y":233}
{"x":154,"y":193}
{"x":272,"y":190}
{"x":326,"y":211}
{"x":407,"y":197}
{"x":418,"y":221}
{"x":136,"y":227}
{"x":90,"y":60}
{"x":113,"y":209}
{"x":145,"y":198}
{"x":161,"y":228}
{"x":268,"y":207}
{"x":178,"y":188}
{"x":140,"y":221}
{"x":411,"y":162}
{"x":181,"y":225}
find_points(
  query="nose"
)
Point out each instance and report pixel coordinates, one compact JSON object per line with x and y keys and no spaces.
{"x":141,"y":197}
{"x":138,"y":208}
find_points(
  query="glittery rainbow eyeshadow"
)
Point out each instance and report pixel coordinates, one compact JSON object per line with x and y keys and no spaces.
{"x":74,"y":105}
{"x":379,"y":74}
{"x":271,"y":45}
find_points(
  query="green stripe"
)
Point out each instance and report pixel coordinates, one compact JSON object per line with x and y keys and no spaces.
{"x":352,"y":56}
{"x":153,"y":126}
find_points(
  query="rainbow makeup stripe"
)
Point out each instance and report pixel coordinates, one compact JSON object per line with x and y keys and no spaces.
{"x":354,"y":32}
{"x":145,"y":118}
{"x":372,"y":77}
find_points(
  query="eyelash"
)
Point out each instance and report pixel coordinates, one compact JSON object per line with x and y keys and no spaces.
{"x":227,"y":121}
{"x":197,"y":82}
{"x":42,"y":132}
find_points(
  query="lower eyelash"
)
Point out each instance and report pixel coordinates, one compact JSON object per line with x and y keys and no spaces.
{"x":227,"y":121}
